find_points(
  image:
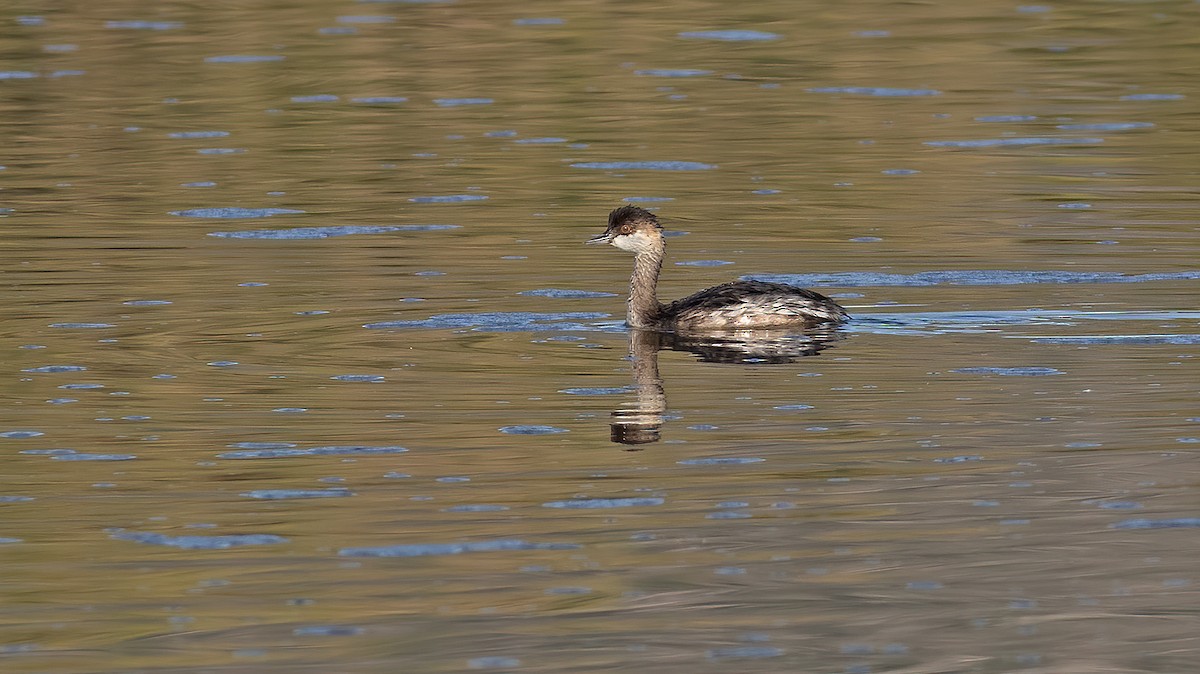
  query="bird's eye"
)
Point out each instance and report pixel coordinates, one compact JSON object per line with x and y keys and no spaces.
{"x":627,"y":229}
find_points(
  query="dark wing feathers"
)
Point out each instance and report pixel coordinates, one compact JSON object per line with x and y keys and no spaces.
{"x":728,"y":295}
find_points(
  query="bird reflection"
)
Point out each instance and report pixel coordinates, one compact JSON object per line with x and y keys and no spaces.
{"x":638,"y":422}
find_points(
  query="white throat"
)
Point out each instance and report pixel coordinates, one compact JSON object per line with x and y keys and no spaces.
{"x":637,"y":243}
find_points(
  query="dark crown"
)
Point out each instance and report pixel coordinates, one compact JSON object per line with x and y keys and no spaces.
{"x":632,"y":214}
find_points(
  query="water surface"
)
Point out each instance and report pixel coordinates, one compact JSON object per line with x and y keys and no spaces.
{"x":307,"y":369}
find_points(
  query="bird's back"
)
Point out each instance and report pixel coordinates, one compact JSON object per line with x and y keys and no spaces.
{"x":752,"y":304}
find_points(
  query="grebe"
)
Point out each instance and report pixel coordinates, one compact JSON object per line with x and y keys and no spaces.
{"x":735,"y":305}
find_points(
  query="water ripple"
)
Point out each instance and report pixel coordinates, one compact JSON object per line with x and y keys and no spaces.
{"x":331,"y":450}
{"x":440,"y":549}
{"x":143,"y":25}
{"x":644,"y":165}
{"x":560,"y":293}
{"x":93,"y":457}
{"x":283,"y":494}
{"x":986,"y":277}
{"x":532,"y":429}
{"x":55,"y":368}
{"x":1110,"y":126}
{"x":232,"y":212}
{"x":672,"y":72}
{"x":601,"y":503}
{"x":300,"y":233}
{"x":193,"y":542}
{"x":517,"y":321}
{"x":1174,"y":523}
{"x":1119,"y":339}
{"x":244,"y":58}
{"x":721,"y":461}
{"x":1010,"y":371}
{"x":455,"y":102}
{"x":448,"y":199}
{"x":198,"y":134}
{"x":1013,"y":142}
{"x":729,"y":35}
{"x":875,"y":91}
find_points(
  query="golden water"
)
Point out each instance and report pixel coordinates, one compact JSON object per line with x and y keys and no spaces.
{"x":882,"y":506}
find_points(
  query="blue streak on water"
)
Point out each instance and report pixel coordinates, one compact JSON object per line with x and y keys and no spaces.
{"x":16,"y":75}
{"x":82,"y":326}
{"x":987,"y":277}
{"x":1010,"y":371}
{"x":146,"y":303}
{"x":645,"y":165}
{"x":560,"y":293}
{"x":1119,"y":339}
{"x":332,"y":450}
{"x":532,"y":429}
{"x":604,"y":503}
{"x":875,"y":91}
{"x":315,"y":98}
{"x":1173,"y":523}
{"x":918,"y":323}
{"x":143,"y":25}
{"x":497,"y":321}
{"x":1013,"y":142}
{"x":198,"y":134}
{"x":1153,"y":97}
{"x":56,"y":368}
{"x":440,"y":549}
{"x":361,"y":378}
{"x":232,"y":212}
{"x":549,"y":140}
{"x":1111,"y":126}
{"x":246,"y":58}
{"x":539,"y":21}
{"x":21,"y":434}
{"x":1007,"y":118}
{"x":448,"y":199}
{"x":303,"y":233}
{"x":703,"y":263}
{"x":721,"y":461}
{"x":327,"y":631}
{"x":379,"y":100}
{"x":93,"y":457}
{"x":963,"y":458}
{"x":596,"y":391}
{"x":283,"y":494}
{"x":456,"y":102}
{"x":193,"y":542}
{"x":493,"y":662}
{"x":744,"y":653}
{"x":476,"y":508}
{"x":732,"y":35}
{"x":366,"y":19}
{"x":643,"y":200}
{"x":672,"y":72}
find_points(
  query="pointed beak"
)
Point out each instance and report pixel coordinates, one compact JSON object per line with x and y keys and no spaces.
{"x":599,"y":238}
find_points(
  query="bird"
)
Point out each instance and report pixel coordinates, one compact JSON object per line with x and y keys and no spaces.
{"x":737,"y":305}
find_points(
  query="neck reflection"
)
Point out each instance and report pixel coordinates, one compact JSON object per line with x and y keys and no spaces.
{"x":639,"y":421}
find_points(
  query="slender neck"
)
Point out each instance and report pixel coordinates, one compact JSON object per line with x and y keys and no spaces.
{"x":644,"y":309}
